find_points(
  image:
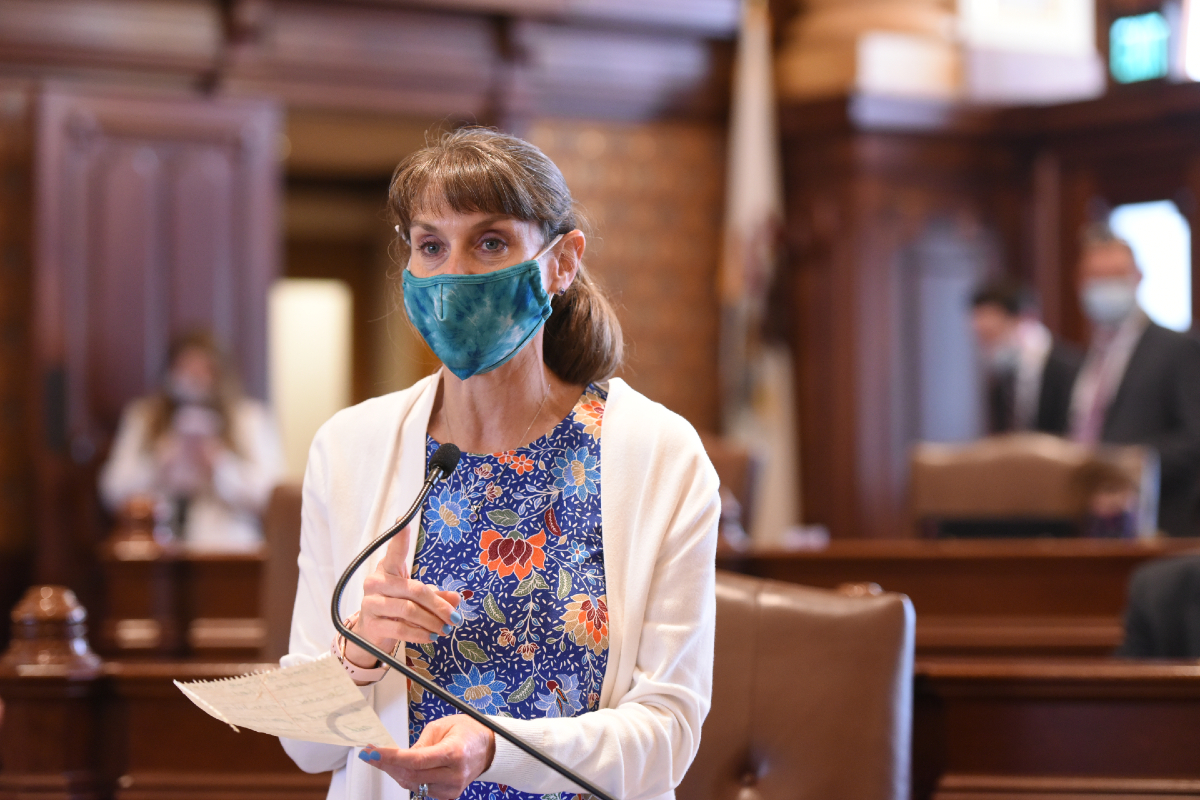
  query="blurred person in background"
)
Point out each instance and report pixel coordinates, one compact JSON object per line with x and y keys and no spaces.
{"x":199,"y":449}
{"x":1140,"y":382}
{"x":1029,"y":372}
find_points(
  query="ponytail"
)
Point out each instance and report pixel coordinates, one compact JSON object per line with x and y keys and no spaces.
{"x":583,"y":341}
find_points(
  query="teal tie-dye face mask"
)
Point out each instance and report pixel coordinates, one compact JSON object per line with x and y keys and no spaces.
{"x":475,"y":323}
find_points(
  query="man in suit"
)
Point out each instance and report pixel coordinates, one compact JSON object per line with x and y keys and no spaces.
{"x":1162,"y":619}
{"x":1030,"y":373}
{"x":1140,"y":383}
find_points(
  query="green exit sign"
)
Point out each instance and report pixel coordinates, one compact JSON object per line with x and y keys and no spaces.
{"x":1139,"y":47}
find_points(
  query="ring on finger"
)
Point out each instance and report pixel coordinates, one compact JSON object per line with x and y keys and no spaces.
{"x":423,"y":791}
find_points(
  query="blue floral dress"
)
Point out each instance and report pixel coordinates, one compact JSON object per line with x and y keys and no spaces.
{"x":518,"y":535}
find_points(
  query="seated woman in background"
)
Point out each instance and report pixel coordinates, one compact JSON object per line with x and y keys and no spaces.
{"x":562,"y":578}
{"x":202,"y":451}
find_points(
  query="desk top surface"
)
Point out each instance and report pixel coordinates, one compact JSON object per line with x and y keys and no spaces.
{"x":953,"y":549}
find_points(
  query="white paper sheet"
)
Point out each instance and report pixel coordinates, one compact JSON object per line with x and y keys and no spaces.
{"x":313,"y":702}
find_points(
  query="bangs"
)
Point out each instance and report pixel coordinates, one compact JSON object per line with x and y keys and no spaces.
{"x":464,"y":179}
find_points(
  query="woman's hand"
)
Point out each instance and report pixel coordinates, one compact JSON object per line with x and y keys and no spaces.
{"x":452,"y":752}
{"x":397,"y":608}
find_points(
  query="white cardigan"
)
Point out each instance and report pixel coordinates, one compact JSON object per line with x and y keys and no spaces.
{"x":659,"y":509}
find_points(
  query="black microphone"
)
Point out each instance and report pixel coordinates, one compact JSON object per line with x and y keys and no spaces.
{"x":441,"y":464}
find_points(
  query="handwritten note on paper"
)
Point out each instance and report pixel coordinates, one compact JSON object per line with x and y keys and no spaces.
{"x":313,"y":702}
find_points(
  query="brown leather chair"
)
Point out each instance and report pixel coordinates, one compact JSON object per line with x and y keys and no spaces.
{"x":812,"y":696}
{"x":738,"y":470}
{"x":1027,"y":481}
{"x":281,"y":534}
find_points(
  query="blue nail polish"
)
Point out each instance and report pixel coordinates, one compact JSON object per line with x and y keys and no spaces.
{"x":364,"y":755}
{"x":447,"y":628}
{"x":376,"y":755}
{"x":433,"y":637}
{"x":456,"y":617}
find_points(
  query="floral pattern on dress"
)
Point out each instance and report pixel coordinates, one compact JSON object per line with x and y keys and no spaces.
{"x":518,"y":535}
{"x":446,"y":516}
{"x":505,"y":555}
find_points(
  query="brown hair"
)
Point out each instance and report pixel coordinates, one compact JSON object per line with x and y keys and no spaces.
{"x":480,"y":169}
{"x":162,"y":405}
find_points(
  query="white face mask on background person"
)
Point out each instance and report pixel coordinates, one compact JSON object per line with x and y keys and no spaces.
{"x":1107,"y":301}
{"x":185,"y":389}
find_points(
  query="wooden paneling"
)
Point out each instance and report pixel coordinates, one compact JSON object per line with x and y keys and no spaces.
{"x":183,"y":36}
{"x":487,"y":61}
{"x":867,"y":181}
{"x":16,"y":300}
{"x":349,"y":56}
{"x":713,"y":17}
{"x":576,"y":71}
{"x":1074,"y":730}
{"x":505,"y":68}
{"x":1012,"y":597}
{"x":130,"y":734}
{"x":346,"y":145}
{"x":653,"y":194}
{"x":154,"y":216}
{"x":163,"y":602}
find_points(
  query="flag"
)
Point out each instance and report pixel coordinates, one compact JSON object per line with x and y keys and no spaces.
{"x":758,"y":405}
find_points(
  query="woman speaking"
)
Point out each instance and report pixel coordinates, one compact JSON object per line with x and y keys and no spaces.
{"x":561,"y":579}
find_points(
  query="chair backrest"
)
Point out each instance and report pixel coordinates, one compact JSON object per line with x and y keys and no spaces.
{"x":1022,"y":476}
{"x":281,"y":573}
{"x":739,"y":471}
{"x":812,"y":696}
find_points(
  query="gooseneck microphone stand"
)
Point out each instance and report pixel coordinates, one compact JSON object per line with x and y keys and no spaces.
{"x":442,"y":463}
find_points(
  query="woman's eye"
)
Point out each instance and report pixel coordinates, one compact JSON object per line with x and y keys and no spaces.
{"x":431,"y":248}
{"x":493,"y":245}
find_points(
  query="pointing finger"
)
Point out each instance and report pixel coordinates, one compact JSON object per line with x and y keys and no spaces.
{"x":395,"y":558}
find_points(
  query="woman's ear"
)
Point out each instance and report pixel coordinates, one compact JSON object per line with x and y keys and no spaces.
{"x":565,"y":266}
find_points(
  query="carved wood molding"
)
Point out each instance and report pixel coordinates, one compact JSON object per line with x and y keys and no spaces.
{"x":1056,"y":787}
{"x":1095,"y":635}
{"x":209,"y":786}
{"x":1075,"y":679}
{"x":711,"y":17}
{"x":480,"y":60}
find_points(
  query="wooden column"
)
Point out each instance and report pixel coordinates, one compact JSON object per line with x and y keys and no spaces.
{"x":50,"y":740}
{"x":904,"y":47}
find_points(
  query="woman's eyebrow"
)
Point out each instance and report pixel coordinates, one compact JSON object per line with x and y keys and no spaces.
{"x":486,"y":222}
{"x":490,"y":222}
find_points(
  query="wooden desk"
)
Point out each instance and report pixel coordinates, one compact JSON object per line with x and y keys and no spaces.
{"x":132,"y":735}
{"x":986,"y":597}
{"x":170,"y":602}
{"x":1075,"y":729}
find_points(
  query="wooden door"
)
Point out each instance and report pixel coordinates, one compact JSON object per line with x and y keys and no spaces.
{"x":153,"y":216}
